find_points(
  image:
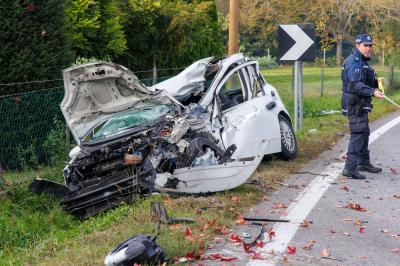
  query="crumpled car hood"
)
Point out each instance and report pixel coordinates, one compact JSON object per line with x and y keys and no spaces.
{"x":96,"y":91}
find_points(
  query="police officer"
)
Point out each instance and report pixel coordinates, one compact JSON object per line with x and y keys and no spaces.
{"x":359,"y":85}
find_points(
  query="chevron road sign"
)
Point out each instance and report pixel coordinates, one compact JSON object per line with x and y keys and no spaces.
{"x":296,"y":42}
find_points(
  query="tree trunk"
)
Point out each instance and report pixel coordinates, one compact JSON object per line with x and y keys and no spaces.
{"x":339,"y":46}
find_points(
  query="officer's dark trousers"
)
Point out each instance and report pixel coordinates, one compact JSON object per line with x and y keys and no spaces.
{"x":358,"y":152}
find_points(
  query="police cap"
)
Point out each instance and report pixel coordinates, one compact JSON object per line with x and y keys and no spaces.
{"x":364,"y":38}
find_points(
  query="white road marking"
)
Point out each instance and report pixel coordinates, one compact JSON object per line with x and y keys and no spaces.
{"x":306,"y":201}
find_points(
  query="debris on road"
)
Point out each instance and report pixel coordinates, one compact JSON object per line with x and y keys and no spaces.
{"x":345,"y":188}
{"x":325,"y":253}
{"x":217,"y":257}
{"x":305,"y":223}
{"x":396,"y":250}
{"x":285,"y":184}
{"x":266,"y":220}
{"x":356,"y":207}
{"x":141,"y":249}
{"x":309,"y":245}
{"x":159,"y":213}
{"x":394,"y":171}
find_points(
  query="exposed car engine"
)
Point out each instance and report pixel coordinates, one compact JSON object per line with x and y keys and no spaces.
{"x":103,"y":175}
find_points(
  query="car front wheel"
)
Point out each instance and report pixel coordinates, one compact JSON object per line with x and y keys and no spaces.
{"x":288,"y":139}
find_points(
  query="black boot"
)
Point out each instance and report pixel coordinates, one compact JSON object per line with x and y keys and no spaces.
{"x":368,"y":168}
{"x":353,"y":174}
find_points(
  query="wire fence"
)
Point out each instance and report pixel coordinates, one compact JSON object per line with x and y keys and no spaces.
{"x":29,"y":118}
{"x":33,"y":129}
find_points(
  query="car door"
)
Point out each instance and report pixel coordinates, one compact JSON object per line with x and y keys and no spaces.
{"x":265,"y":94}
{"x":241,"y":118}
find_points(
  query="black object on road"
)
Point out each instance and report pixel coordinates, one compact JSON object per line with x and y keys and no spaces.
{"x":265,"y":220}
{"x":157,"y":210}
{"x":141,"y":249}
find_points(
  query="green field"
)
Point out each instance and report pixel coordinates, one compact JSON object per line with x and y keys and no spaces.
{"x":35,"y":230}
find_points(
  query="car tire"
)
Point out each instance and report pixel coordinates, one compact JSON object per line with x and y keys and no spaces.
{"x":288,"y":139}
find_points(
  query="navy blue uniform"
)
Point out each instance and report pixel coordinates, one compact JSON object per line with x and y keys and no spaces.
{"x":359,"y":84}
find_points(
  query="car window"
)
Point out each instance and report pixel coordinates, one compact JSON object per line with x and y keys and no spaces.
{"x":256,"y":85}
{"x":231,"y":93}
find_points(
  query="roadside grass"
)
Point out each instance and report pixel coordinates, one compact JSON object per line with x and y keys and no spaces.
{"x":36,"y":231}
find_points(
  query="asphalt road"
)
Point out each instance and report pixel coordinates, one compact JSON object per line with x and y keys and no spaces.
{"x":322,"y":197}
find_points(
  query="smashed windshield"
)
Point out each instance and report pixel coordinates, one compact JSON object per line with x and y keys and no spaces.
{"x":134,"y":117}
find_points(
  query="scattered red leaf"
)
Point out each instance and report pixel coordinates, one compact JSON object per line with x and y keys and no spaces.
{"x":187,"y":232}
{"x":240,"y":220}
{"x":362,"y":229}
{"x":345,"y":188}
{"x":356,"y":207}
{"x":271,"y":233}
{"x":394,"y":171}
{"x":305,"y":223}
{"x":235,"y":238}
{"x":217,"y":256}
{"x":190,"y":256}
{"x":396,"y":250}
{"x":212,"y":222}
{"x":257,"y":256}
{"x":325,"y":253}
{"x":247,"y":248}
{"x":279,"y":206}
{"x":291,"y":250}
{"x":222,"y":230}
{"x":259,"y":244}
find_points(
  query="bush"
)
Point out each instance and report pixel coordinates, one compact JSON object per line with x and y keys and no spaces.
{"x":27,"y":157}
{"x":33,"y":42}
{"x":266,"y":61}
{"x":56,"y":145}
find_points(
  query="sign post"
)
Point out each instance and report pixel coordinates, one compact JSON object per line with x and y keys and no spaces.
{"x":297,"y":44}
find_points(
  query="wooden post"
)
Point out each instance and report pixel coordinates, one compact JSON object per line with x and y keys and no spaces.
{"x":323,"y":75}
{"x":233,"y":27}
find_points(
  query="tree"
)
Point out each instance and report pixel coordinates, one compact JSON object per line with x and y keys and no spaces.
{"x":169,"y":33}
{"x":337,"y":20}
{"x":259,"y":21}
{"x":33,"y":42}
{"x":95,"y":28}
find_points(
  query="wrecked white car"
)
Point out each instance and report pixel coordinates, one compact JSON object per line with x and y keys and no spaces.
{"x":204,"y":130}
